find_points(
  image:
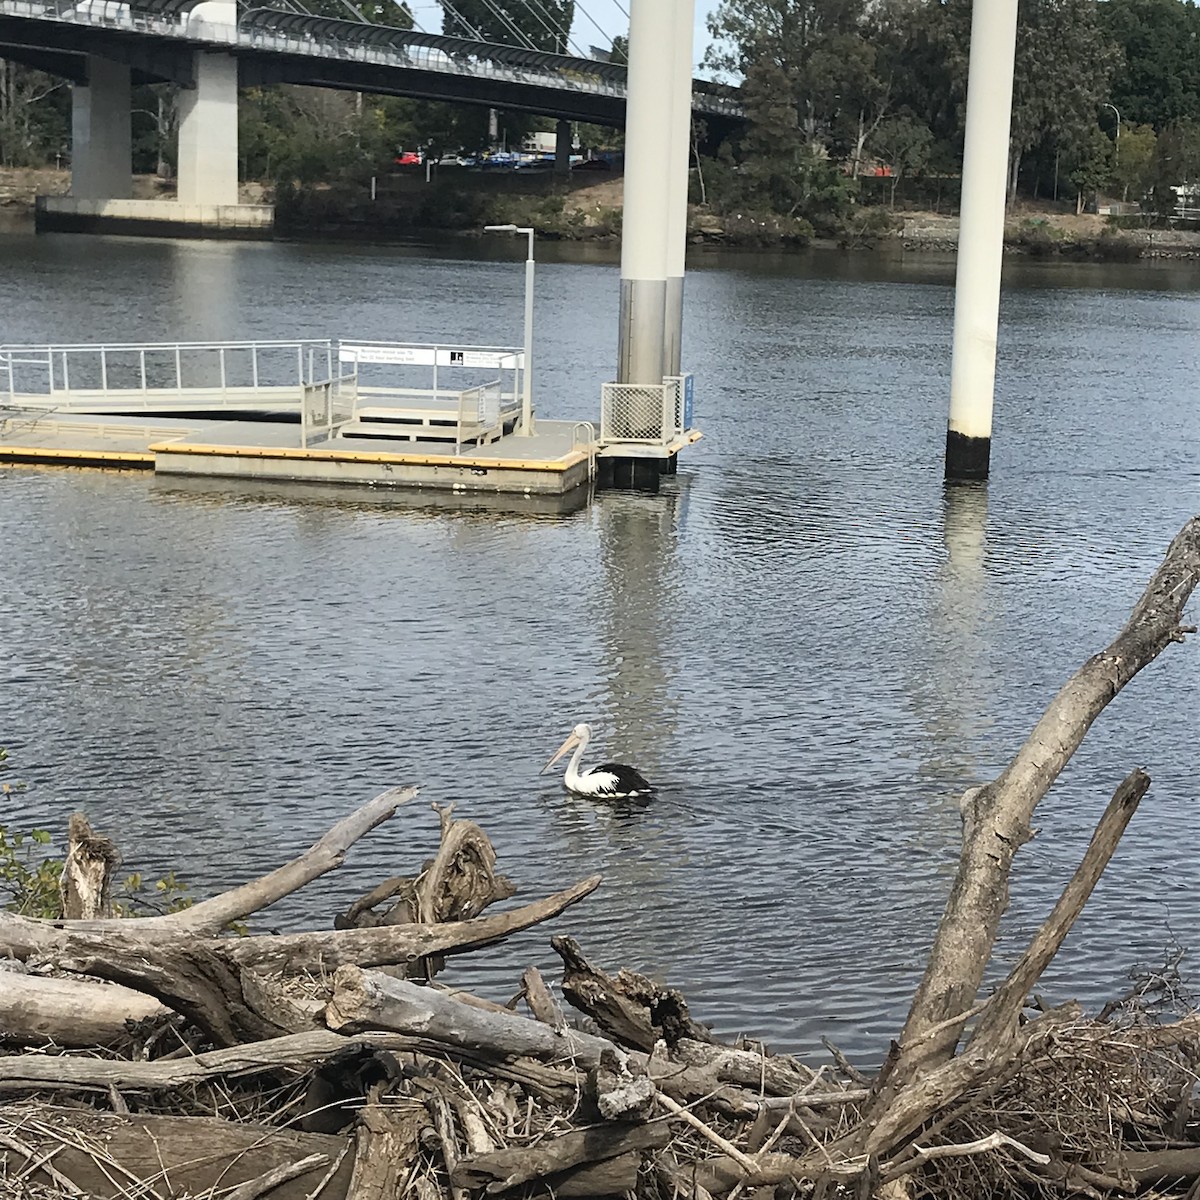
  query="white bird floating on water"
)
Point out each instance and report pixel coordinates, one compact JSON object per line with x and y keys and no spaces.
{"x":610,"y":781}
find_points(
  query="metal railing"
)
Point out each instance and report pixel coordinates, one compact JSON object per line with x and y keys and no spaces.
{"x":327,"y":405}
{"x":355,"y":42}
{"x":647,"y":413}
{"x":111,"y":375}
{"x":378,"y":365}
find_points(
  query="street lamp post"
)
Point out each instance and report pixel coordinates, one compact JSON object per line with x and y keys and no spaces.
{"x":527,"y":371}
{"x":1115,"y":109}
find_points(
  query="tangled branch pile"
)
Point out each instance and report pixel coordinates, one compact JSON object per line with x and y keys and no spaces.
{"x":170,"y":1059}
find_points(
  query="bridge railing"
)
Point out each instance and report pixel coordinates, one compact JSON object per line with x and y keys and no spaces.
{"x":111,"y":375}
{"x":260,"y":29}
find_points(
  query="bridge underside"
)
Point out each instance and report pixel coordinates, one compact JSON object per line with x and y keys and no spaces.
{"x":213,"y":51}
{"x":62,"y":48}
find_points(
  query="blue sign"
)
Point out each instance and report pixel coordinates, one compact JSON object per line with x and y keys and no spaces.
{"x":688,"y":389}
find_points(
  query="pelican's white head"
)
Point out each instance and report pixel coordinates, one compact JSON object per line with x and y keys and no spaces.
{"x":579,"y":736}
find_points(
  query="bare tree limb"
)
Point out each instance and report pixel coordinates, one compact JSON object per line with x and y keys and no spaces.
{"x":996,"y":817}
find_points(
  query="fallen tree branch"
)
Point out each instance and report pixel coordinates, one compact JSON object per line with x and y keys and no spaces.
{"x":25,"y":937}
{"x":993,"y":1141}
{"x":996,"y":817}
{"x":70,"y":1012}
{"x":1002,"y":1010}
{"x":38,"y":1072}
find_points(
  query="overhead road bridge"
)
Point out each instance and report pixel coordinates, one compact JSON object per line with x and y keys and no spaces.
{"x":159,"y":39}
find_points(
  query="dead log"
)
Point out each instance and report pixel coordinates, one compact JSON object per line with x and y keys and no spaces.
{"x":995,"y":1040}
{"x":27,"y":937}
{"x":386,"y":1145}
{"x":42,"y":1072}
{"x":86,"y":883}
{"x":69,"y":1012}
{"x":502,"y":1170}
{"x":462,"y":880}
{"x":539,"y":1000}
{"x":109,"y":1155}
{"x":996,"y":817}
{"x":629,"y":1008}
{"x":370,"y":1000}
{"x":210,"y":980}
{"x":365,"y":1000}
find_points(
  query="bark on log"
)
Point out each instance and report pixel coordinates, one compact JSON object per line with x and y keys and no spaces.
{"x":87,"y":871}
{"x":996,"y":817}
{"x":101,"y":1153}
{"x":628,"y":1007}
{"x":70,"y":1012}
{"x":365,"y":1000}
{"x":386,"y":1146}
{"x":41,"y":1072}
{"x":502,"y":1170}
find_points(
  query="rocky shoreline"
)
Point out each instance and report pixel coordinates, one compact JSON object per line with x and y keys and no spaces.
{"x":592,"y":213}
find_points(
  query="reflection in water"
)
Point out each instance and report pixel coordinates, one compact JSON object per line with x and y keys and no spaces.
{"x":432,"y":505}
{"x":639,"y":605}
{"x":205,"y":286}
{"x":958,"y":697}
{"x":811,"y":666}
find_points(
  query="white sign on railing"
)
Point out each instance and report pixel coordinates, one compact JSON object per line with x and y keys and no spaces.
{"x":430,"y":356}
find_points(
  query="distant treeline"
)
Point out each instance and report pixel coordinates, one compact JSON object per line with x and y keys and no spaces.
{"x":849,"y":102}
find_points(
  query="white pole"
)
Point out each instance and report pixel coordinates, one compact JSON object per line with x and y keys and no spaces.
{"x":644,"y":228}
{"x":981,"y":238}
{"x":526,"y":426}
{"x":527,"y":374}
{"x":678,"y":163}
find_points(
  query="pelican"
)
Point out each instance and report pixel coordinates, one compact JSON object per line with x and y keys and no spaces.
{"x":612,"y":781}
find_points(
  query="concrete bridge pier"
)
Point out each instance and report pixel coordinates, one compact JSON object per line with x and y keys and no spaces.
{"x":208,"y":140}
{"x":562,"y":148}
{"x":101,"y":150}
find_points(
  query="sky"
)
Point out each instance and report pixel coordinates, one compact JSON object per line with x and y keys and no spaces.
{"x":609,"y":15}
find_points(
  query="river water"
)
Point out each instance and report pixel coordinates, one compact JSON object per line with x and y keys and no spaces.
{"x":806,"y":641}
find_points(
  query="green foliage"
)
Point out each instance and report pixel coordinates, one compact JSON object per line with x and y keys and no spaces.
{"x":30,"y":877}
{"x":35,"y":116}
{"x":1158,"y":80}
{"x":28,"y":880}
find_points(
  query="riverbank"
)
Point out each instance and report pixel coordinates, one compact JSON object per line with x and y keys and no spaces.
{"x":402,"y":206}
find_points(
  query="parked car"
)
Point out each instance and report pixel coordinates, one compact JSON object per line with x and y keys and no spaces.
{"x":592,"y":164}
{"x":408,"y":158}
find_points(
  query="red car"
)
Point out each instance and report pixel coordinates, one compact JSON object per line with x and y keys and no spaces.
{"x":408,"y":158}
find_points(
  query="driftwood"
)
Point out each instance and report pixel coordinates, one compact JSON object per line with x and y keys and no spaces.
{"x":87,"y":871}
{"x":635,"y":1010}
{"x":996,"y":817}
{"x":69,"y":1012}
{"x":102,"y":1154}
{"x":416,"y":1089}
{"x":503,"y":1170}
{"x":215,"y":982}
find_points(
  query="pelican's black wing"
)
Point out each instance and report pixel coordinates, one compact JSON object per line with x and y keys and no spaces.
{"x":628,"y":781}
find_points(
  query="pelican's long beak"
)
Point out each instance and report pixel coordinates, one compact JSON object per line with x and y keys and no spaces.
{"x":570,"y":744}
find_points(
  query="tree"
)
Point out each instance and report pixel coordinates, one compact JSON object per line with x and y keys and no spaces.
{"x":804,"y":40}
{"x":905,"y":145}
{"x":1159,"y":78}
{"x":34,"y":115}
{"x":1134,"y":159}
{"x":1065,"y":63}
{"x":1093,"y":166}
